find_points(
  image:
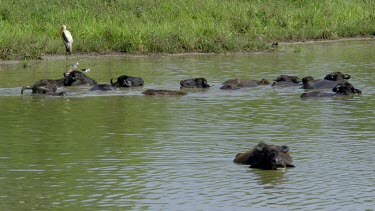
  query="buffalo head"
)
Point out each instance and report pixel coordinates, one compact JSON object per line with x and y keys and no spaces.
{"x":194,"y":83}
{"x":266,"y":156}
{"x":127,"y":81}
{"x":76,"y":78}
{"x":289,"y":78}
{"x":345,"y":88}
{"x":337,"y":76}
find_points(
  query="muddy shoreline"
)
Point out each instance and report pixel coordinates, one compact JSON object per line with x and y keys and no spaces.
{"x":78,"y":55}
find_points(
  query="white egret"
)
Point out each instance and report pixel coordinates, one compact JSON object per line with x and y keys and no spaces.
{"x":68,"y":40}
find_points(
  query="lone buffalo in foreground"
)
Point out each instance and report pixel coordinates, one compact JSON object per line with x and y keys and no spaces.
{"x":194,"y":83}
{"x":266,"y":156}
{"x":127,"y":81}
{"x":238,"y":83}
{"x":341,"y":89}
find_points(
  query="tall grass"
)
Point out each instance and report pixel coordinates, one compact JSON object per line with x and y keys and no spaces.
{"x":31,"y":28}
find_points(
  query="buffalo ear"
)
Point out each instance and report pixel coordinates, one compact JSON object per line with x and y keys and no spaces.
{"x":260,"y":147}
{"x":285,"y":149}
{"x":346,"y":76}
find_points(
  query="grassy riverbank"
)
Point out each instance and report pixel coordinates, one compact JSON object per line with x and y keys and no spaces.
{"x":32,"y":29}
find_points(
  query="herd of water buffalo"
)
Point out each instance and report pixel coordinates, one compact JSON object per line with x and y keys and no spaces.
{"x":262,"y":156}
{"x":337,"y":82}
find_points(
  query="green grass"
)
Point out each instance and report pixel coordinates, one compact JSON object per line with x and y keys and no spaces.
{"x":31,"y":28}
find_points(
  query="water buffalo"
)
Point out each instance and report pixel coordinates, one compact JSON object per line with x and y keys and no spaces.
{"x":195,"y":83}
{"x":103,"y":87}
{"x":266,"y":156}
{"x":127,"y":81}
{"x":230,"y":86}
{"x":290,"y":78}
{"x":284,"y":84}
{"x":310,"y":83}
{"x":329,"y":81}
{"x":45,"y":86}
{"x":163,"y":92}
{"x":77,"y":78}
{"x":50,"y":86}
{"x":286,"y":81}
{"x":238,"y":83}
{"x":343,"y":88}
{"x":337,"y":76}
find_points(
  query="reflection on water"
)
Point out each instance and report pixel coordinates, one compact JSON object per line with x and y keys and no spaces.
{"x":125,"y":151}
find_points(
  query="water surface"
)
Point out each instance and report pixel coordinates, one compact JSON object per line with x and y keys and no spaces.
{"x":122,"y":150}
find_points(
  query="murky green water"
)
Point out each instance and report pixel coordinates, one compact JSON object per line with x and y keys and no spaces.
{"x":125,"y":151}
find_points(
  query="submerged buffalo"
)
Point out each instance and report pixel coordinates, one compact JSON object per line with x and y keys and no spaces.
{"x":103,"y":87}
{"x":77,"y":78}
{"x":239,"y":83}
{"x":341,"y":89}
{"x":329,"y":81}
{"x":310,"y":83}
{"x":266,"y":156}
{"x":290,"y":78}
{"x":127,"y":81}
{"x":45,"y":86}
{"x":50,"y":86}
{"x":195,"y":83}
{"x":337,"y":76}
{"x":163,"y":92}
{"x":286,"y":81}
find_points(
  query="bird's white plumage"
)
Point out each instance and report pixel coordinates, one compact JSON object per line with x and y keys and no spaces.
{"x":67,"y":39}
